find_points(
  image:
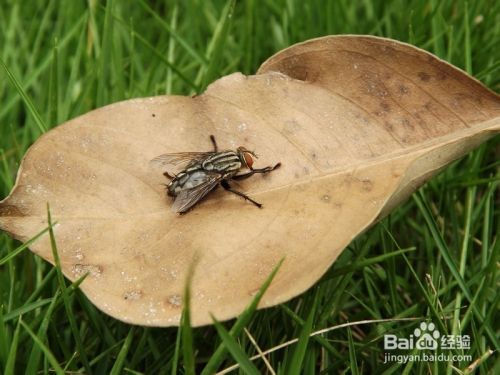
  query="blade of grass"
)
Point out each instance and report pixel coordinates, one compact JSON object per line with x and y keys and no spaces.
{"x":7,"y":176}
{"x":470,"y":198}
{"x":467,"y":53}
{"x":12,"y":285}
{"x":53,"y":89}
{"x":232,"y":346}
{"x":319,"y":339}
{"x":431,"y":224}
{"x":42,"y":284}
{"x":249,"y":42}
{"x":139,"y":349}
{"x":70,"y":290}
{"x":48,"y":354}
{"x":428,"y":298}
{"x":26,"y":99}
{"x":97,"y":322}
{"x":315,"y":333}
{"x":93,"y":38}
{"x":175,"y":358}
{"x":105,"y":57}
{"x":120,"y":360}
{"x":158,"y":54}
{"x":259,"y":350}
{"x":69,"y":363}
{"x":35,"y":355}
{"x":437,"y":28}
{"x":451,"y":46}
{"x":467,"y":315}
{"x":129,"y":371}
{"x":353,"y":362}
{"x":390,"y":264}
{"x":299,"y":352}
{"x":102,"y":356}
{"x":174,"y":68}
{"x":4,"y":341}
{"x":369,"y":261}
{"x":67,"y":303}
{"x":216,"y":46}
{"x":186,"y":329}
{"x":171,"y":51}
{"x":32,"y":79}
{"x":218,"y":356}
{"x":171,"y":31}
{"x":488,"y":70}
{"x":26,"y":308}
{"x":11,"y":360}
{"x":132,"y":52}
{"x":473,"y":366}
{"x":22,"y":247}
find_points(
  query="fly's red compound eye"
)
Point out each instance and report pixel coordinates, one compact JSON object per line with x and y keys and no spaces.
{"x":248,"y":159}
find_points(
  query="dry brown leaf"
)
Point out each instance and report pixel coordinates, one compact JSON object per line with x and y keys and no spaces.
{"x":357,"y":122}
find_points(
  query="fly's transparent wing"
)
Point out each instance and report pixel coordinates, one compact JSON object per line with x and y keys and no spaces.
{"x":178,"y":158}
{"x":189,"y":197}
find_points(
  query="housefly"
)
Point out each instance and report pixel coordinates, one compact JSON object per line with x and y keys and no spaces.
{"x":204,"y":171}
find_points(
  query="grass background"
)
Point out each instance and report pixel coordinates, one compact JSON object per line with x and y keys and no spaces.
{"x":62,"y":59}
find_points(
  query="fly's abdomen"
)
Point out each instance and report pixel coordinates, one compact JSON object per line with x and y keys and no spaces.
{"x":222,"y":162}
{"x":188,"y":179}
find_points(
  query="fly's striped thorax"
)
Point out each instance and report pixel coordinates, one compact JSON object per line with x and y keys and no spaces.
{"x":222,"y":162}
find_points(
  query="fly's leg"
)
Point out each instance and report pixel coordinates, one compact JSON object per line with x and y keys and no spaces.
{"x":212,"y":138}
{"x":266,"y":169}
{"x":244,"y":176}
{"x":226,"y":186}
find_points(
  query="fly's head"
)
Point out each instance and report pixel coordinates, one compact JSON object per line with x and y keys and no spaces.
{"x":246,"y":157}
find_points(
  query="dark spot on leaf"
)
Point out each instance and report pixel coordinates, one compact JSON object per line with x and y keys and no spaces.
{"x":91,"y":269}
{"x":174,"y":300}
{"x":388,"y":126}
{"x":441,"y":76}
{"x":132,"y":295}
{"x":367,"y":185}
{"x":428,"y":106}
{"x":403,"y":89}
{"x":407,"y":140}
{"x":424,"y":76}
{"x":291,"y":127}
{"x":407,"y":124}
{"x":385,"y":106}
{"x":9,"y":210}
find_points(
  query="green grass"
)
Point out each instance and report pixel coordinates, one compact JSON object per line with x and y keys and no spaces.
{"x":434,"y":257}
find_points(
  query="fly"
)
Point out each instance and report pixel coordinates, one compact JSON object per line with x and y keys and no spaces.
{"x":204,"y":171}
